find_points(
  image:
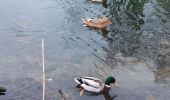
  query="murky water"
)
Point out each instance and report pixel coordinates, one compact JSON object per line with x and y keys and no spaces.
{"x":136,"y":50}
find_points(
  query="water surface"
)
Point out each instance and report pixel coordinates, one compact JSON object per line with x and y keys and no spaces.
{"x":136,"y":50}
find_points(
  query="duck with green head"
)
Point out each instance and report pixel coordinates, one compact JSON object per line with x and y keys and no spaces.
{"x":95,"y":85}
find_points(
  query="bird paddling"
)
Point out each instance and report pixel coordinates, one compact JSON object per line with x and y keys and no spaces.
{"x":96,"y":23}
{"x":94,"y":85}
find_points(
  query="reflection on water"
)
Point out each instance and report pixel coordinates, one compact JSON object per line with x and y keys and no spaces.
{"x":109,"y":97}
{"x":140,"y":29}
{"x":127,"y":17}
{"x":165,"y":5}
{"x":134,"y":33}
{"x":132,"y":10}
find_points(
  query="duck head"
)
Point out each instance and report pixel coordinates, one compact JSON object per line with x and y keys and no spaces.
{"x":110,"y":80}
{"x":107,"y":20}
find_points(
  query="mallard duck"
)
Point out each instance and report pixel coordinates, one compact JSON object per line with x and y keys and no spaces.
{"x":96,"y":23}
{"x":94,"y":85}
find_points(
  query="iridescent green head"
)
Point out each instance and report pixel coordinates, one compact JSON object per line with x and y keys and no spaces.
{"x":110,"y":80}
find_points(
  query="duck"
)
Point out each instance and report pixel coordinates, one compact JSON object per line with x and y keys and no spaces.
{"x":94,"y":85}
{"x":96,"y":23}
{"x":96,"y":0}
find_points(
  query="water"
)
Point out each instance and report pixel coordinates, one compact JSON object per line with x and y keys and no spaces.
{"x":136,"y":50}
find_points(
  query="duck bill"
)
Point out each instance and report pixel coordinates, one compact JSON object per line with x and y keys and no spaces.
{"x":115,"y":84}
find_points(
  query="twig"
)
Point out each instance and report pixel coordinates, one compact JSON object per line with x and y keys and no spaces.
{"x":43,"y":72}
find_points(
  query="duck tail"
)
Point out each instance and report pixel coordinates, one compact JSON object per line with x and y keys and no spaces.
{"x":79,"y":81}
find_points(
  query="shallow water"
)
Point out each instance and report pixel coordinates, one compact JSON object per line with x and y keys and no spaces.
{"x":136,"y":50}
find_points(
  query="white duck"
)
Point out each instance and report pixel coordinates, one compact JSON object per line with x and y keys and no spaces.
{"x":94,"y":85}
{"x":96,"y":0}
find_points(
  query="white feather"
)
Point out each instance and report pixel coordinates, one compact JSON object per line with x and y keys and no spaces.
{"x":91,"y":89}
{"x":97,"y":0}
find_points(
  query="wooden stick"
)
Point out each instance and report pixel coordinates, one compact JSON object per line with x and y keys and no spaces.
{"x":43,"y":72}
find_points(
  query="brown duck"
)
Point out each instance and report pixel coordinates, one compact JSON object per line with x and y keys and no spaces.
{"x":96,"y":23}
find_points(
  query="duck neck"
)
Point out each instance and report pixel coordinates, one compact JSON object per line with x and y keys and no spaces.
{"x":107,"y":82}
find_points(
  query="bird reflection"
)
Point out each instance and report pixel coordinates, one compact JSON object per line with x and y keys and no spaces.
{"x":104,"y":32}
{"x":107,"y":96}
{"x":104,"y":3}
{"x":105,"y":93}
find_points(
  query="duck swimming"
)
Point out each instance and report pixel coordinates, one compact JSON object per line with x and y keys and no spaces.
{"x":95,"y":85}
{"x":96,"y":23}
{"x":96,"y":0}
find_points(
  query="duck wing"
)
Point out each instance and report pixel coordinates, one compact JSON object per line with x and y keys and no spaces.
{"x":92,"y":81}
{"x":91,"y":89}
{"x":92,"y":84}
{"x":91,"y":78}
